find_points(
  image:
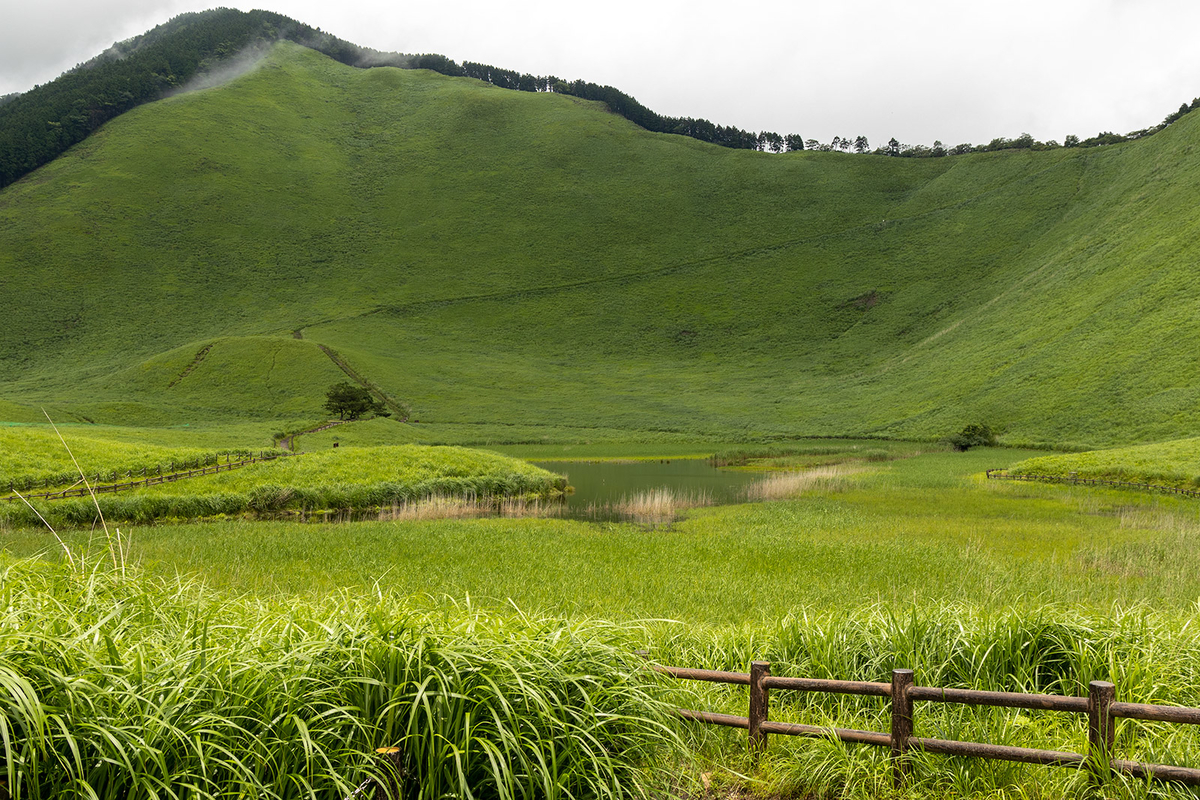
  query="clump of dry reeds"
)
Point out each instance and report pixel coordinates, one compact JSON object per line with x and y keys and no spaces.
{"x":470,"y":507}
{"x":782,"y":485}
{"x":659,"y":506}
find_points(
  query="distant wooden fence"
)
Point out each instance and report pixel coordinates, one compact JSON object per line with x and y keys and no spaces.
{"x":1100,"y":707}
{"x":1001,"y":474}
{"x":150,"y":479}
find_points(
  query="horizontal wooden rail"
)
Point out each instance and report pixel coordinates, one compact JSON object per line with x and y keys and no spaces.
{"x":817,"y":732}
{"x":728,"y":720}
{"x":1003,"y":475}
{"x":999,"y":752}
{"x":1162,"y":772}
{"x":1151,"y":713}
{"x":830,"y":687}
{"x":1098,"y":706}
{"x":1046,"y":702}
{"x":710,"y":675}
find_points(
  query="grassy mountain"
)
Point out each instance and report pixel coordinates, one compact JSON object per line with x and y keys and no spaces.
{"x":489,"y":256}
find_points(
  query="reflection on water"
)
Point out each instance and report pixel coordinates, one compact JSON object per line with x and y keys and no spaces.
{"x":648,"y":492}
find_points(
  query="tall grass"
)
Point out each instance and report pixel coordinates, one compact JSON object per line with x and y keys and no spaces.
{"x":1173,"y":463}
{"x":470,"y":507}
{"x":653,"y":507}
{"x":782,"y":485}
{"x":117,"y":688}
{"x":1151,"y":657}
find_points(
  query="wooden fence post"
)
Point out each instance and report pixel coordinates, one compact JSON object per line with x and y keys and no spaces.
{"x":759,"y":700}
{"x":1102,"y":728}
{"x":902,"y":724}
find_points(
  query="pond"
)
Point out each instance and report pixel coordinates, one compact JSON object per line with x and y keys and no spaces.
{"x":647,"y":490}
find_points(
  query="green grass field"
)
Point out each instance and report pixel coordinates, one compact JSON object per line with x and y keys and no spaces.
{"x":920,"y":530}
{"x":917,"y":561}
{"x":538,"y":277}
{"x":35,"y":456}
{"x":340,"y":480}
{"x":628,"y":281}
{"x":1174,"y":463}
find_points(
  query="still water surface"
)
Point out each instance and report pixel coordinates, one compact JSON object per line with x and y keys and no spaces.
{"x":600,"y":483}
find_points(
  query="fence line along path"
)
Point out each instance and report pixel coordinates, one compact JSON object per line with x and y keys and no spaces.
{"x":1075,"y":480}
{"x":1100,"y":707}
{"x":150,"y":479}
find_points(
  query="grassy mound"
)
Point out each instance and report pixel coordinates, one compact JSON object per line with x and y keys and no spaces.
{"x":342,"y":479}
{"x":32,"y":457}
{"x":260,"y":377}
{"x":628,"y":280}
{"x":1175,"y":463}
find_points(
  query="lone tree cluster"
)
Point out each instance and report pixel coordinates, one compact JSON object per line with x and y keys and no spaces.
{"x":974,"y":435}
{"x":351,"y":402}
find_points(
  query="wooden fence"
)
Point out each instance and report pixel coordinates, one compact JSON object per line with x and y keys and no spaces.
{"x":150,"y":479}
{"x":1100,"y":706}
{"x":1072,"y":478}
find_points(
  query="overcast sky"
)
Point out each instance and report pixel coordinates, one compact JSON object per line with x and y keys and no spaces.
{"x":923,"y":70}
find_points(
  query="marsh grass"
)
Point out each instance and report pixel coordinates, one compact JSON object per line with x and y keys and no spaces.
{"x":470,"y":507}
{"x":654,"y":507}
{"x":784,"y":485}
{"x":353,"y":480}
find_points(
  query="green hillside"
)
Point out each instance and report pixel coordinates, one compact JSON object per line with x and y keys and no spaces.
{"x":1175,"y":463}
{"x":489,"y":256}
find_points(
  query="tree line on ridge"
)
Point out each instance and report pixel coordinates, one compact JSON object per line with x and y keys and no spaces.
{"x":38,"y":125}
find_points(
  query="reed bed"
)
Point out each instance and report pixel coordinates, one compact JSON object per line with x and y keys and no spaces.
{"x":471,"y":507}
{"x":114,"y":688}
{"x":654,"y":507}
{"x":782,"y":485}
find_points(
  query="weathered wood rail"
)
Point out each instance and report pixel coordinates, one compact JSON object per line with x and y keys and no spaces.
{"x":150,"y":479}
{"x":1003,"y":475}
{"x":1100,"y":706}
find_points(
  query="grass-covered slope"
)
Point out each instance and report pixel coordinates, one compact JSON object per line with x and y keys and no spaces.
{"x":491,"y":256}
{"x":32,"y":457}
{"x":1175,"y":463}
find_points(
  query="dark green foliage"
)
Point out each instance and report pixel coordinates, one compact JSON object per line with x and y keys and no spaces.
{"x":351,"y":402}
{"x":973,"y":435}
{"x":41,"y":123}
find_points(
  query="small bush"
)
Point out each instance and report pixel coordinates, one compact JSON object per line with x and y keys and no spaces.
{"x":973,"y":435}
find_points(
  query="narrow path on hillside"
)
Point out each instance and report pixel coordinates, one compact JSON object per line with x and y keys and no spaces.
{"x":398,"y":408}
{"x":195,"y":363}
{"x":683,"y":266}
{"x":287,"y":442}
